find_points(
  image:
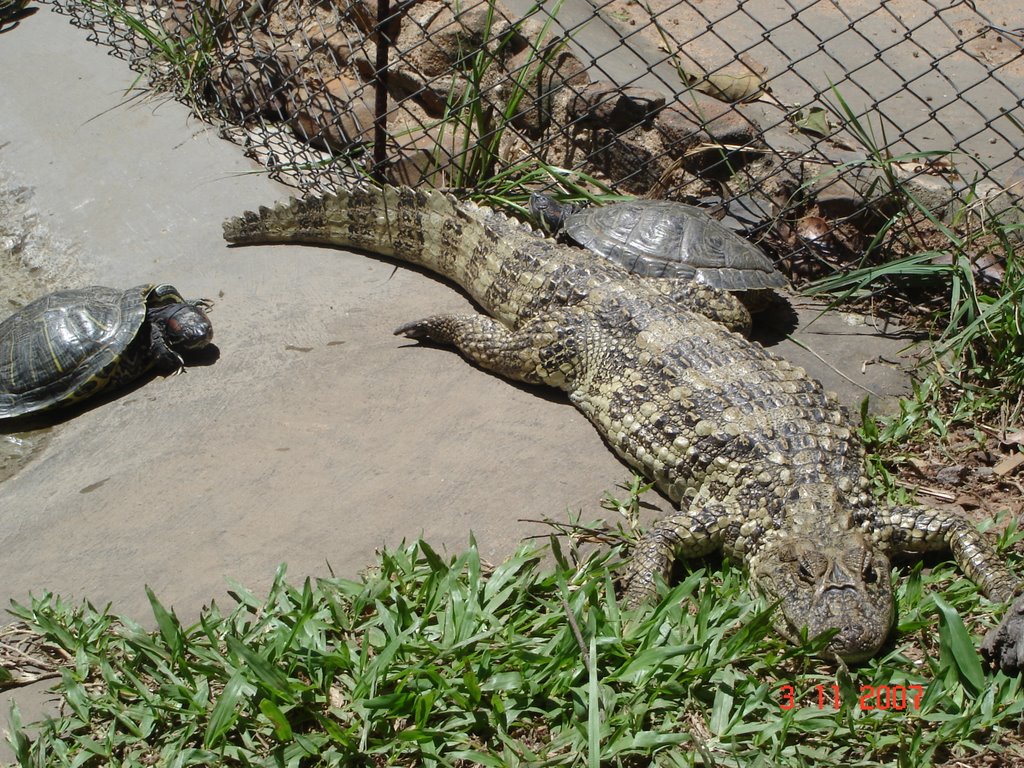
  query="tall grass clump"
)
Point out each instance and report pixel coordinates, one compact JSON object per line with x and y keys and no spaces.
{"x":179,"y":63}
{"x":974,"y":369}
{"x":481,"y":109}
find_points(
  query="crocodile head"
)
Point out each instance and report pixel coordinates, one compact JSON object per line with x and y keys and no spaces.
{"x":826,"y":575}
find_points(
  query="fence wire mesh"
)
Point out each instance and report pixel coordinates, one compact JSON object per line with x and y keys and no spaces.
{"x":795,"y":117}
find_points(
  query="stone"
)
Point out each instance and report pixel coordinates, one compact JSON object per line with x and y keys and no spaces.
{"x":696,"y":117}
{"x":248,"y":82}
{"x":541,"y":75}
{"x":404,"y":83}
{"x":430,"y":156}
{"x":198,"y":18}
{"x":634,"y":158}
{"x":437,"y":37}
{"x":606,"y":105}
{"x":336,"y":116}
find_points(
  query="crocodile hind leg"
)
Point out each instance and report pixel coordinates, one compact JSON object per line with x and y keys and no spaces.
{"x":544,"y":351}
{"x":714,"y":303}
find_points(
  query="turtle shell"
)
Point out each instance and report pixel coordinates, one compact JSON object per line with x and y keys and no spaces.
{"x":663,"y":238}
{"x":70,"y":344}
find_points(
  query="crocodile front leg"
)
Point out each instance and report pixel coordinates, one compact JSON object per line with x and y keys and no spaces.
{"x":546,"y":350}
{"x":682,"y":535}
{"x":922,"y":530}
{"x":916,"y":530}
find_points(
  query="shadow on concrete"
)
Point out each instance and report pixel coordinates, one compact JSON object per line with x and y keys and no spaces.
{"x":199,"y":358}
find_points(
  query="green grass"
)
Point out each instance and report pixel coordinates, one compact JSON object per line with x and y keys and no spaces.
{"x":471,"y":117}
{"x":442,"y":660}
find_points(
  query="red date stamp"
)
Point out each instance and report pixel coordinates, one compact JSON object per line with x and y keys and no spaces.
{"x":886,"y":697}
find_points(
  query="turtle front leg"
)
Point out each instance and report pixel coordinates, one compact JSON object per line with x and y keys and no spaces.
{"x":165,"y":357}
{"x":547,"y":350}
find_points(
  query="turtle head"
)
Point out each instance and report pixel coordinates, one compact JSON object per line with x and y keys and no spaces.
{"x":549,"y":213}
{"x":184,"y":325}
{"x":177,"y":325}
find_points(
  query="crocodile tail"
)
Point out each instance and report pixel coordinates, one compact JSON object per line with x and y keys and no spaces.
{"x":392,"y":221}
{"x":465,"y":243}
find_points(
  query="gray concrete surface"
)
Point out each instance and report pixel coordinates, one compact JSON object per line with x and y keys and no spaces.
{"x":317,"y":436}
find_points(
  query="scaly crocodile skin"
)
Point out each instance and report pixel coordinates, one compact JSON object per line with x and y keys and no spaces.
{"x":759,"y":458}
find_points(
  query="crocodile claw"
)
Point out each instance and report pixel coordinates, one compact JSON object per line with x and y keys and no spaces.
{"x":1003,"y":646}
{"x":415,"y":330}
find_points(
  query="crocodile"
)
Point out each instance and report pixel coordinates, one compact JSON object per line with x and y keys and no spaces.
{"x":759,"y":459}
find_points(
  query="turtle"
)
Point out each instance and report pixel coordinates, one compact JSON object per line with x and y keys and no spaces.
{"x":69,"y":345}
{"x":662,"y":239}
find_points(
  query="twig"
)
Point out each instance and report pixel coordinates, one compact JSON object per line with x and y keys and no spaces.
{"x":576,"y":632}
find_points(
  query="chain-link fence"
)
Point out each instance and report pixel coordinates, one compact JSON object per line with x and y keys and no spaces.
{"x":796,"y":117}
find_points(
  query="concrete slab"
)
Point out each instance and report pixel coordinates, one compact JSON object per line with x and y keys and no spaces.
{"x":317,"y":436}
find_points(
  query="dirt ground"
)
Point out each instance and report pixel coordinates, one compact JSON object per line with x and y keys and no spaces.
{"x":316,"y":436}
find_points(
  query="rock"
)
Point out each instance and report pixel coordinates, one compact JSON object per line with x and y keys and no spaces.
{"x":438,"y":37}
{"x":198,"y":18}
{"x":951,"y":475}
{"x":606,"y":105}
{"x":403,"y":83}
{"x":249,"y":81}
{"x":679,"y":129}
{"x":432,"y":156}
{"x":846,"y":190}
{"x":541,"y":75}
{"x":634,"y":158}
{"x":339,"y":44}
{"x":697,"y":119}
{"x":1003,"y":647}
{"x":336,"y":116}
{"x":696,"y":114}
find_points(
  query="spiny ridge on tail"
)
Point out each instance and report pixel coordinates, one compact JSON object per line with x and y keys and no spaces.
{"x":282,"y":221}
{"x":365,"y":212}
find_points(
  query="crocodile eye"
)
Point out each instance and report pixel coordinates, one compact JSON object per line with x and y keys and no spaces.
{"x":811,"y":567}
{"x":874,"y":571}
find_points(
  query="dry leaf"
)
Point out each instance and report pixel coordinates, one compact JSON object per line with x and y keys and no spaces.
{"x":1014,"y":438}
{"x":732,"y":88}
{"x":814,"y":121}
{"x":1007,"y":465}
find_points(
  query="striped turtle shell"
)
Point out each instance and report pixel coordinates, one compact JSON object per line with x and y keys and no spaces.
{"x":663,"y":238}
{"x":68,"y":345}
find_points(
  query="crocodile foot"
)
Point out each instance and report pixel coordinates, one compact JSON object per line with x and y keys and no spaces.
{"x":1003,"y":646}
